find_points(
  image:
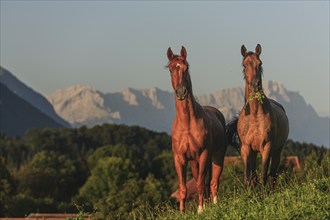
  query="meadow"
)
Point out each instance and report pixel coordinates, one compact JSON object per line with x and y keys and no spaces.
{"x":302,"y":194}
{"x":299,"y":195}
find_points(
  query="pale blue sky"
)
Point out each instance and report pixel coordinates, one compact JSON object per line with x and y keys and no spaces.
{"x":116,"y":44}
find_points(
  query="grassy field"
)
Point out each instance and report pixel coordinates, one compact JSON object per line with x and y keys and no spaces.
{"x":303,"y":194}
{"x":299,"y":195}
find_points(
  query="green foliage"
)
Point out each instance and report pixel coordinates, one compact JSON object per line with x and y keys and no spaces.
{"x":48,"y":170}
{"x":163,"y":168}
{"x":107,"y":177}
{"x":121,"y":172}
{"x":81,"y":215}
{"x":134,"y":194}
{"x":21,"y":205}
{"x":115,"y":187}
{"x":7,"y":186}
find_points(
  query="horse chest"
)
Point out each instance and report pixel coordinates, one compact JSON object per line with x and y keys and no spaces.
{"x":254,"y":131}
{"x":188,"y":144}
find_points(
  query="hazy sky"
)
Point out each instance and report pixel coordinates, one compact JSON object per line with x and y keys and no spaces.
{"x":116,"y":44}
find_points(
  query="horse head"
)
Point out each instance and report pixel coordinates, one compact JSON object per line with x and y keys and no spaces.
{"x":252,"y":68}
{"x":180,"y":78}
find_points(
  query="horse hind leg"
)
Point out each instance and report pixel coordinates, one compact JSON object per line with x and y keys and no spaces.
{"x":208,"y":176}
{"x":217,"y":167}
{"x":252,"y":179}
{"x":216,"y":173}
{"x":273,"y":168}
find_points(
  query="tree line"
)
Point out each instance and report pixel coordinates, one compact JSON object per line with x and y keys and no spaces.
{"x":112,"y":169}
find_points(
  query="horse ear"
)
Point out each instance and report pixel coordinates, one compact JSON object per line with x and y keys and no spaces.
{"x":183,"y":52}
{"x":258,"y":49}
{"x":243,"y":50}
{"x":169,"y":53}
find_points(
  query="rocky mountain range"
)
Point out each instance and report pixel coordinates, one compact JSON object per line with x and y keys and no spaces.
{"x":29,"y":95}
{"x":21,"y":108}
{"x":18,"y":115}
{"x":154,"y":108}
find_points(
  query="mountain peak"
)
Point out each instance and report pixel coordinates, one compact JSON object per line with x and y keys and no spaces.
{"x":29,"y":95}
{"x":274,"y":90}
{"x":129,"y":95}
{"x":75,"y":89}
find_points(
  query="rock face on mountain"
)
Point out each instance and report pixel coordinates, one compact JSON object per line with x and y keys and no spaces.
{"x":84,"y":105}
{"x":17,"y":115}
{"x":29,"y":95}
{"x":155,"y":109}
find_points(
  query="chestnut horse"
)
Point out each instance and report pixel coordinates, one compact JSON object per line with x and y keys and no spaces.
{"x":262,"y":124}
{"x":198,"y":134}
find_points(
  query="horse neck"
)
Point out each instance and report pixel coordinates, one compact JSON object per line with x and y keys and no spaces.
{"x":256,"y":107}
{"x":186,"y":110}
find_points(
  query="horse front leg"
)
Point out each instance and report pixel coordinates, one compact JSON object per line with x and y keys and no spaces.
{"x":245,"y":152}
{"x":201,"y":179}
{"x":181,"y":170}
{"x":265,"y":154}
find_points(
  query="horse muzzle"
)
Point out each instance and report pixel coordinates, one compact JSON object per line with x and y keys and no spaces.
{"x":181,"y":93}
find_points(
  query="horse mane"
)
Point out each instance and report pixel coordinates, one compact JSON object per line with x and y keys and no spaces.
{"x":191,"y":93}
{"x":195,"y":103}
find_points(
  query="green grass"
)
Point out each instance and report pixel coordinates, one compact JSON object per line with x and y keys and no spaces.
{"x":302,"y":195}
{"x":298,"y":195}
{"x":309,"y":200}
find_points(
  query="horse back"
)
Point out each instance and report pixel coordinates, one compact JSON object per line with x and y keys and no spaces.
{"x":211,"y":111}
{"x":282,"y":123}
{"x":215,"y":121}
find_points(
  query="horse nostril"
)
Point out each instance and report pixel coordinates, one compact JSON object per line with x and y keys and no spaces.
{"x":184,"y":91}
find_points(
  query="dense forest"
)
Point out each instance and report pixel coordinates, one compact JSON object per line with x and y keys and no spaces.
{"x":109,"y":169}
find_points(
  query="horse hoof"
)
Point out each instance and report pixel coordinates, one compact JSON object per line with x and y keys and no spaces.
{"x":215,"y":200}
{"x":200,"y":209}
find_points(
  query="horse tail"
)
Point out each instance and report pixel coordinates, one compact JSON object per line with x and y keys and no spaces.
{"x":232,"y":135}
